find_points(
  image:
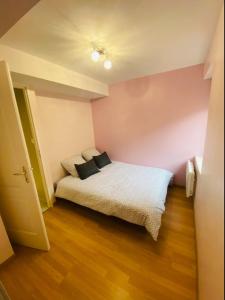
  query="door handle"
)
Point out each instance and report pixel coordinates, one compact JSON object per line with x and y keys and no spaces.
{"x":23,"y":173}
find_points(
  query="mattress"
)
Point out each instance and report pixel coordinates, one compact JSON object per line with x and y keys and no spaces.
{"x":133,"y":193}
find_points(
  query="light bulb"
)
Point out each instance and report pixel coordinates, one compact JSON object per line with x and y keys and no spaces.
{"x":108,"y":64}
{"x":95,"y":56}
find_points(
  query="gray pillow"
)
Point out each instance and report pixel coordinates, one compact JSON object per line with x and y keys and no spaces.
{"x":90,"y":153}
{"x":69,"y":164}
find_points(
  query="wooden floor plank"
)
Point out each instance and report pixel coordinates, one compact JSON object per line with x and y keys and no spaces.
{"x":96,"y":257}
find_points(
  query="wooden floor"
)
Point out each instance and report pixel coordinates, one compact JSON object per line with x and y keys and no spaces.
{"x":95,"y":257}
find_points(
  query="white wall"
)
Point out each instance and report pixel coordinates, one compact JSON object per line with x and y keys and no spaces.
{"x":11,"y":11}
{"x":209,"y":202}
{"x":64,"y":128}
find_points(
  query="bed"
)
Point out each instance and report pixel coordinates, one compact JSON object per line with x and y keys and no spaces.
{"x":133,"y":193}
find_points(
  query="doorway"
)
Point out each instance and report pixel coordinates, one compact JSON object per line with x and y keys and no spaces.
{"x":32,"y":146}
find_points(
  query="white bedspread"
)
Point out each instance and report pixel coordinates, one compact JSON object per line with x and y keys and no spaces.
{"x":133,"y":193}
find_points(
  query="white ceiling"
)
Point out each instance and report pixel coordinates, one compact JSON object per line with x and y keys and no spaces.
{"x":143,"y":37}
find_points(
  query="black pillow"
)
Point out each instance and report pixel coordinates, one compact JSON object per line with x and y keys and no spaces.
{"x":102,"y":160}
{"x":87,"y":169}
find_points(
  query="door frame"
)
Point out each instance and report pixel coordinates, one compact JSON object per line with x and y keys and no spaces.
{"x":42,"y":166}
{"x":30,"y":96}
{"x":36,"y":146}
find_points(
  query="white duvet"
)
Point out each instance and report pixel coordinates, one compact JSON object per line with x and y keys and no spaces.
{"x":133,"y":193}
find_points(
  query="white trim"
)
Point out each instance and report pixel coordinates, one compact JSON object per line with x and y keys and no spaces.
{"x":31,"y":96}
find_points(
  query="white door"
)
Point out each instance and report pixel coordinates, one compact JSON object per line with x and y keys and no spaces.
{"x":19,"y":203}
{"x":6,"y":250}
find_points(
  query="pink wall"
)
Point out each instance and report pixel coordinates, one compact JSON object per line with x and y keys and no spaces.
{"x":157,"y":121}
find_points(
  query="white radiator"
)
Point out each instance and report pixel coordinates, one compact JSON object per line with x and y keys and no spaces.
{"x":190,"y":179}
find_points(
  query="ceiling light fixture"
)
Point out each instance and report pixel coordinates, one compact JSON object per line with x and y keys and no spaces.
{"x":96,"y":55}
{"x":108,"y":64}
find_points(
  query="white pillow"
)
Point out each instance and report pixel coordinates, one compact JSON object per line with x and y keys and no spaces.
{"x":89,"y":153}
{"x":69,"y":164}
